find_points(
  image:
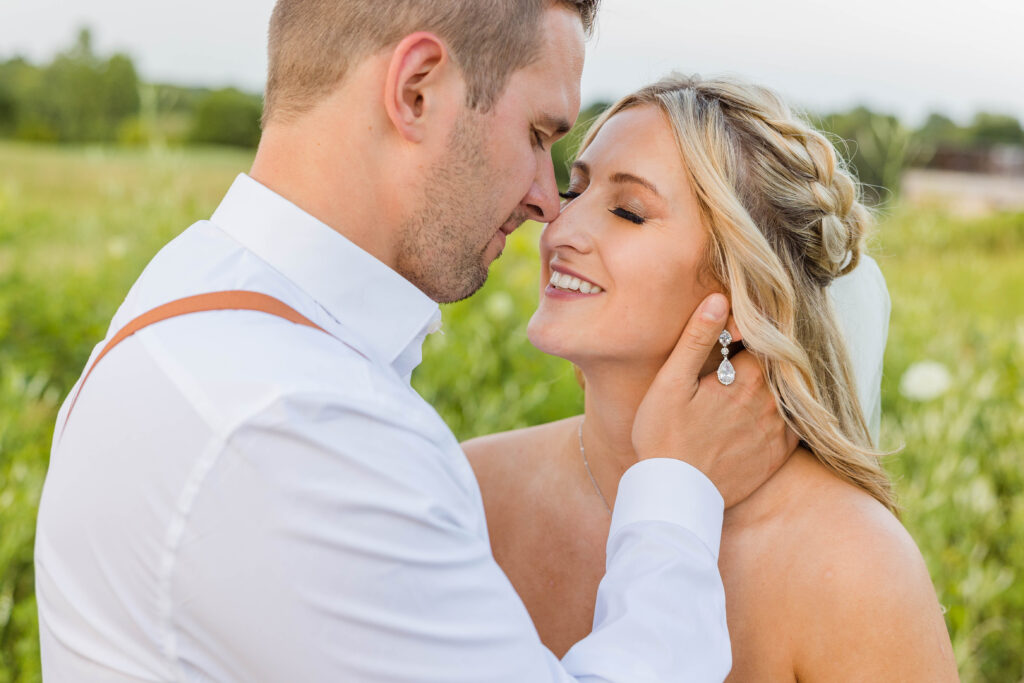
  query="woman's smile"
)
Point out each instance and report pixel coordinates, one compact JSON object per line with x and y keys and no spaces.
{"x":565,"y":283}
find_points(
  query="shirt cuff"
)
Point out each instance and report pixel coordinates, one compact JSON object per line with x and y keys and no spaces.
{"x":669,"y":490}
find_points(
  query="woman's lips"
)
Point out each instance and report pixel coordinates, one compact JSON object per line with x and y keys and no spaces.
{"x":559,"y":268}
{"x":566,"y":280}
{"x":555,"y":293}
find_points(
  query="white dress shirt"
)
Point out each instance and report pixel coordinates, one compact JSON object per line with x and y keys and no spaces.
{"x":239,"y":498}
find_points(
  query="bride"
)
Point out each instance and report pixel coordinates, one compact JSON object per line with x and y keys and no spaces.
{"x":684,"y":188}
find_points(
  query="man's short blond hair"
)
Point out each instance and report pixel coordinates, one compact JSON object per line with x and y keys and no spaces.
{"x":312,"y":43}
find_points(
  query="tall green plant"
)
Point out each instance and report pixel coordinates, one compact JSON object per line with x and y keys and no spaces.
{"x":878,"y":146}
{"x":564,"y":151}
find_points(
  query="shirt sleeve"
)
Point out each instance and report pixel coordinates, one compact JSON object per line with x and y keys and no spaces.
{"x":660,"y":613}
{"x":334,"y":541}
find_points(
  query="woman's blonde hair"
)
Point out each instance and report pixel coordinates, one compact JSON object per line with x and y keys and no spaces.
{"x":784,"y":219}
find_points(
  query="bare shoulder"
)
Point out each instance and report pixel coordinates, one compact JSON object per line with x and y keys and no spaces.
{"x":845,"y":525}
{"x":511,"y":448}
{"x":863,"y":605}
{"x":513,"y":442}
{"x":504,"y":458}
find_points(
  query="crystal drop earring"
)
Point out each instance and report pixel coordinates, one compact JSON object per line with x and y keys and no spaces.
{"x":726,"y":372}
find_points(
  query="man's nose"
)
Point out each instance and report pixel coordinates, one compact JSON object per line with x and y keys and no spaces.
{"x":542,"y":201}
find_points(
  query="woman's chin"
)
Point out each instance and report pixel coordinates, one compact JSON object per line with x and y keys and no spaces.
{"x":550,"y":340}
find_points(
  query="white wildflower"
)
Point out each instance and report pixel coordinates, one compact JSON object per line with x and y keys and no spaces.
{"x":925,"y":380}
{"x":500,"y":305}
{"x":117,"y":247}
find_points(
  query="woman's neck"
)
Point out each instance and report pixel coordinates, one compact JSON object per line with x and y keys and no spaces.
{"x":613,"y":393}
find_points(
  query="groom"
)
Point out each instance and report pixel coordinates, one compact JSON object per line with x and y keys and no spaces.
{"x":248,"y":489}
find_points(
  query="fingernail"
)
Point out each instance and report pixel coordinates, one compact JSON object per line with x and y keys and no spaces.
{"x":714,"y":307}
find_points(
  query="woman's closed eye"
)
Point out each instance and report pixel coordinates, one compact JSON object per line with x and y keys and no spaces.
{"x":628,"y":215}
{"x":632,"y":216}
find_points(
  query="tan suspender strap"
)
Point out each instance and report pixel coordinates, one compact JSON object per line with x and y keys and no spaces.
{"x":232,"y":300}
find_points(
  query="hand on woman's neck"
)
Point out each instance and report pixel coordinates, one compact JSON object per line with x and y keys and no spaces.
{"x":613,"y":393}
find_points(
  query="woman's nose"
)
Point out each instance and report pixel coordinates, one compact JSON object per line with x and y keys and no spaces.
{"x":568,"y":230}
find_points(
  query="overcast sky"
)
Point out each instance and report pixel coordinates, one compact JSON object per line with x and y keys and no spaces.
{"x":905,"y":56}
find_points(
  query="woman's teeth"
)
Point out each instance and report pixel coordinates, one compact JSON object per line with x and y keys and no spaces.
{"x":573,"y":284}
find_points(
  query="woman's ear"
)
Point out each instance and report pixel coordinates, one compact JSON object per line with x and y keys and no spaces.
{"x":734,"y":331}
{"x":414,"y":75}
{"x":715,"y":356}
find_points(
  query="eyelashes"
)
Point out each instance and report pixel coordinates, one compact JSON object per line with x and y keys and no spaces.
{"x":538,"y":139}
{"x":625,"y":214}
{"x":628,"y":215}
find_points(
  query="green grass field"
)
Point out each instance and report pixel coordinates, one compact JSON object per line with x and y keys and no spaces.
{"x":78,"y":225}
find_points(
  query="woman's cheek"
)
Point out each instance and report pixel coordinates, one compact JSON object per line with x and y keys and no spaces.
{"x":675,"y":305}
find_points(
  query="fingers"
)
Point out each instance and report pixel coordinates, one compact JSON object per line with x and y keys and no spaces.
{"x":699,"y":338}
{"x":749,"y":372}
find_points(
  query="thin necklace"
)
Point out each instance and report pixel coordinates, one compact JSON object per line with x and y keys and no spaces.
{"x":583,"y":452}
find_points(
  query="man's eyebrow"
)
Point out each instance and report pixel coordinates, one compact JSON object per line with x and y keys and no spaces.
{"x":556,"y":124}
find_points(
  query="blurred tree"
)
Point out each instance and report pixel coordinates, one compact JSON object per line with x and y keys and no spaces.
{"x":78,"y":97}
{"x":228,"y":117}
{"x":17,"y":79}
{"x":985,"y":130}
{"x":167,"y":114}
{"x":81,"y":51}
{"x":992,"y":129}
{"x":8,"y":102}
{"x":939,"y":129}
{"x":178,"y":99}
{"x":119,"y":89}
{"x":67,"y":98}
{"x":877,"y":146}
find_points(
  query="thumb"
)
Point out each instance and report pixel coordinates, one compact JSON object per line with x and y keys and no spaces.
{"x":698,"y":339}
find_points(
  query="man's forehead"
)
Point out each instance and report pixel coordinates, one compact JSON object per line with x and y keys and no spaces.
{"x":549,"y":86}
{"x":563,"y":42}
{"x":558,"y":71}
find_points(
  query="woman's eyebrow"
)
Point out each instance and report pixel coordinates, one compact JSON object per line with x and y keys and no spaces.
{"x":583,"y":168}
{"x":630,"y":178}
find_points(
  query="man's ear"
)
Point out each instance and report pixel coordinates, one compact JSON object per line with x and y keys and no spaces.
{"x":415,"y":74}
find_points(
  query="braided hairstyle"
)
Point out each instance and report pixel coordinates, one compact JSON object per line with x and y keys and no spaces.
{"x":784,"y":219}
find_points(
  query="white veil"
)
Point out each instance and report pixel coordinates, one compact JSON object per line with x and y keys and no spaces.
{"x":862,"y":305}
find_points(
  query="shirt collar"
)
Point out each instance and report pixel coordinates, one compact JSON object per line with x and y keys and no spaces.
{"x":385,"y":310}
